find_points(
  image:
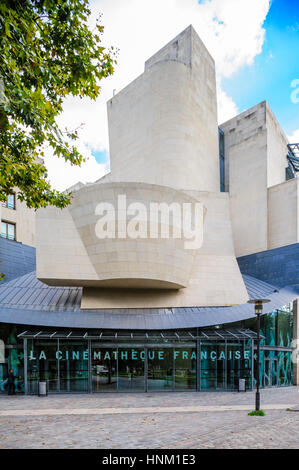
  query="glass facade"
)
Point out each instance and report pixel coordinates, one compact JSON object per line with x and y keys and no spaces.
{"x":118,"y":365}
{"x":13,"y":359}
{"x":72,"y":366}
{"x":275,"y":366}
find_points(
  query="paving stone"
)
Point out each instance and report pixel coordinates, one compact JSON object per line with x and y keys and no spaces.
{"x":185,"y":429}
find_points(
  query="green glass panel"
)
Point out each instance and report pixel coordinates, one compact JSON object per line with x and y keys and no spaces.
{"x":270,"y":328}
{"x":185,"y":368}
{"x":285,"y":368}
{"x":160,"y":369}
{"x":285,"y":328}
{"x":131,"y":369}
{"x":73,"y":366}
{"x":207,"y":367}
{"x":104,"y":369}
{"x":42,"y":365}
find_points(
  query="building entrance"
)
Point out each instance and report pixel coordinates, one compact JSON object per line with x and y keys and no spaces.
{"x":137,"y":362}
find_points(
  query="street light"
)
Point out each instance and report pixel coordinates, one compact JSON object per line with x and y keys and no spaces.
{"x":258,"y":311}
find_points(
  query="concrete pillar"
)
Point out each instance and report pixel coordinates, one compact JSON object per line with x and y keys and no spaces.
{"x":296,"y":342}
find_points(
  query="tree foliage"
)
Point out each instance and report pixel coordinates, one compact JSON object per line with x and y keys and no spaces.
{"x":47,"y":52}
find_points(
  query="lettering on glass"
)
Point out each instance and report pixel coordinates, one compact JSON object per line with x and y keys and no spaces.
{"x":133,"y":354}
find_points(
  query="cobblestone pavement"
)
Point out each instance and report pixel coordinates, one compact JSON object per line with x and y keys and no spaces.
{"x":151,"y":429}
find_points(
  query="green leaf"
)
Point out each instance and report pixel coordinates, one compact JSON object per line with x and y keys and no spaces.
{"x":47,"y":53}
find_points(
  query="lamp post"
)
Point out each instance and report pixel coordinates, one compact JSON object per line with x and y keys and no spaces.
{"x":258,"y":311}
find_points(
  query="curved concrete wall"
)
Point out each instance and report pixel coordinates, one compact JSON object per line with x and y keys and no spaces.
{"x":147,"y":262}
{"x":69,"y":254}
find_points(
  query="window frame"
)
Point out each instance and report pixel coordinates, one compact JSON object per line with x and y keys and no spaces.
{"x":5,"y":203}
{"x":15,"y":230}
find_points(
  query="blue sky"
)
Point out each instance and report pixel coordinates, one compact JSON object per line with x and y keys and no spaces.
{"x":101,"y":156}
{"x":273,"y":70}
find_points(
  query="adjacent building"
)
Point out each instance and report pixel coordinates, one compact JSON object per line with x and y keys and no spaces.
{"x":142,"y":283}
{"x":17,"y":221}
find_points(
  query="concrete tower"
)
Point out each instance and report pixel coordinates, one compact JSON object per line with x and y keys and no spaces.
{"x":163,"y":126}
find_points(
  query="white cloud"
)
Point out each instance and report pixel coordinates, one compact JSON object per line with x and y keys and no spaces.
{"x":231,"y":29}
{"x":294,"y":138}
{"x":227,"y":108}
{"x":63,"y":175}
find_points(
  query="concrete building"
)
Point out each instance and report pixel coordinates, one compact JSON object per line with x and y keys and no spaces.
{"x":17,"y":221}
{"x":256,"y":164}
{"x":142,"y":282}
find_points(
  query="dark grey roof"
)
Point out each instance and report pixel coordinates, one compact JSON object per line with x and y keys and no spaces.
{"x":27,"y":301}
{"x":16,"y":259}
{"x":28,"y":292}
{"x":278,"y":266}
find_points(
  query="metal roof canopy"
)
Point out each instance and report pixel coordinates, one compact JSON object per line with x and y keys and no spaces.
{"x":294,"y":149}
{"x":216,"y":334}
{"x":293,"y":155}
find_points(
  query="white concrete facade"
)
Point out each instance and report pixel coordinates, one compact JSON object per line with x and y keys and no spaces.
{"x":162,"y":127}
{"x":264,"y":206}
{"x":164,"y":148}
{"x":164,"y":124}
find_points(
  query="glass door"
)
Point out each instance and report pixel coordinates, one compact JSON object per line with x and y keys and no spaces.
{"x":208,"y":368}
{"x":160,"y":369}
{"x":185,"y":368}
{"x":42,"y":365}
{"x":103,"y":368}
{"x":73,"y":366}
{"x":131,"y":376}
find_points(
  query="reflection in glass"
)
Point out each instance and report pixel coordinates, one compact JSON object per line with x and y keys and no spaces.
{"x":42,"y":365}
{"x":270,"y":374}
{"x":73,"y":366}
{"x":285,"y":369}
{"x":131,"y":369}
{"x":160,"y":369}
{"x":270,"y":328}
{"x":185,"y":368}
{"x":104,"y":369}
{"x":238,"y":364}
{"x":284,"y":328}
{"x":220,"y":366}
{"x":3,"y":372}
{"x":208,"y":366}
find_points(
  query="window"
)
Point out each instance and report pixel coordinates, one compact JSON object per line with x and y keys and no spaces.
{"x":10,"y":202}
{"x":8,"y":230}
{"x":221,"y":159}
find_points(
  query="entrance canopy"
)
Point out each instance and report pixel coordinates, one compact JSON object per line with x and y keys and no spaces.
{"x":206,"y":334}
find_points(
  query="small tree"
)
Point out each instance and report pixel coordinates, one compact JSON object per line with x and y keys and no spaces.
{"x":47,"y":52}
